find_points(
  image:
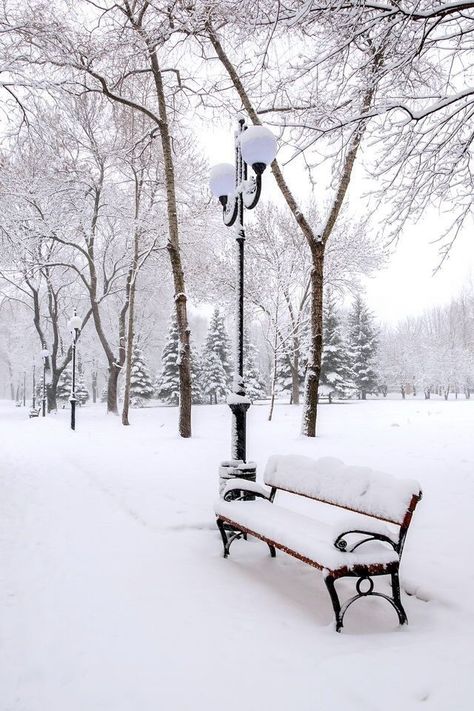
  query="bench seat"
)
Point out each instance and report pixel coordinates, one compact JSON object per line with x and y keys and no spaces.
{"x":304,"y":537}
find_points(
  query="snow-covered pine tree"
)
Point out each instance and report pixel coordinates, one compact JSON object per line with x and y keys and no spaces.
{"x":284,"y":372}
{"x":255,"y":386}
{"x":167,"y":386}
{"x":335,"y":370}
{"x":362,"y":348}
{"x":196,"y":378}
{"x":217,"y":342}
{"x":141,"y":386}
{"x":213,"y":377}
{"x":82,"y":393}
{"x":63,"y":390}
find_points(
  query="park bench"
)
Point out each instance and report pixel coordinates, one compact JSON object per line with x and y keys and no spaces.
{"x":365,"y":543}
{"x":34,"y":412}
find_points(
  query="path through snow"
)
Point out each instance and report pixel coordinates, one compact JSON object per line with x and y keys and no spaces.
{"x":114,"y":594}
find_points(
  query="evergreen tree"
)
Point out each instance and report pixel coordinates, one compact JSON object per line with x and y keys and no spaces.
{"x":362,"y":348}
{"x":63,"y":390}
{"x":335,"y":370}
{"x":255,"y":386}
{"x":82,"y":393}
{"x":167,"y":386}
{"x":197,"y":394}
{"x":213,"y":377}
{"x":284,"y":372}
{"x":141,"y":386}
{"x":217,"y":342}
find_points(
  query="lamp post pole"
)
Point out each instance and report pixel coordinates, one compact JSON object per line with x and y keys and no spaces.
{"x":74,"y":326}
{"x":255,"y":146}
{"x":239,"y":403}
{"x":24,"y":388}
{"x":44,"y":355}
{"x":34,"y":387}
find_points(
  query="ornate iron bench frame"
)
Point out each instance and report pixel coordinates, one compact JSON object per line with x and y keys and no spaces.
{"x":231,"y":530}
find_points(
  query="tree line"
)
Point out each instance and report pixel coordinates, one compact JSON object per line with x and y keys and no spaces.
{"x":102,"y":185}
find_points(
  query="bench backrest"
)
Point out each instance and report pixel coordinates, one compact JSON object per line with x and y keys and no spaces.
{"x":358,"y":489}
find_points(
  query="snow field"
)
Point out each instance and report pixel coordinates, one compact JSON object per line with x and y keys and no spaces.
{"x":114,"y":593}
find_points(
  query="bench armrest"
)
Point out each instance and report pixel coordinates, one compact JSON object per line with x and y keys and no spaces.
{"x":358,"y":537}
{"x":244,"y":486}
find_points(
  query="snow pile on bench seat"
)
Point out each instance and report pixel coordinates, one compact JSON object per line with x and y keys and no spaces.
{"x":302,"y":535}
{"x":357,"y":488}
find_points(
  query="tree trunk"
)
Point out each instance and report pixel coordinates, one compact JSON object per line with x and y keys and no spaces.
{"x":94,"y":383}
{"x":114,"y":372}
{"x":133,"y":275}
{"x":51,"y":389}
{"x":11,"y":376}
{"x":295,"y":380}
{"x":185,"y":397}
{"x":275,"y":366}
{"x":313,"y":370}
{"x":128,"y":360}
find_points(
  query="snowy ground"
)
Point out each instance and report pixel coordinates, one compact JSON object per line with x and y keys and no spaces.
{"x":115,"y":596}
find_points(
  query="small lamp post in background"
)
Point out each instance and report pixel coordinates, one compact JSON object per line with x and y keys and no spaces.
{"x":255,"y":146}
{"x":45,"y":356}
{"x":24,"y":388}
{"x":74,"y":325}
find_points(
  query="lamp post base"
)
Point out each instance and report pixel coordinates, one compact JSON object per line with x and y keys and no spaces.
{"x":236,"y":469}
{"x":239,"y":406}
{"x":73,"y":413}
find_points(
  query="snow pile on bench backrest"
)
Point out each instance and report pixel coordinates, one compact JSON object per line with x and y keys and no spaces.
{"x":357,"y":488}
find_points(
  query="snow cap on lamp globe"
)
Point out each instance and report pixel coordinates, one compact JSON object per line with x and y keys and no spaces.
{"x":74,"y":323}
{"x":259,"y":147}
{"x":222,"y":179}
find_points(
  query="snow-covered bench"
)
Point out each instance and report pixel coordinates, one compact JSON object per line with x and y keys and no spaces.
{"x":358,"y":546}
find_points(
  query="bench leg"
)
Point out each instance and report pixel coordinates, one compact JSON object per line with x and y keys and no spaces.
{"x":368,"y":583}
{"x":329,"y":580}
{"x":223,"y":532}
{"x":228,"y":537}
{"x":397,"y":600}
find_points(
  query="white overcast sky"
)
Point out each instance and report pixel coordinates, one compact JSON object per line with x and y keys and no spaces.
{"x":410,"y":283}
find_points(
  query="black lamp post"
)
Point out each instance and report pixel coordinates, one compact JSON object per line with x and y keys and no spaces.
{"x":255,"y":146}
{"x":45,"y":356}
{"x":74,"y":326}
